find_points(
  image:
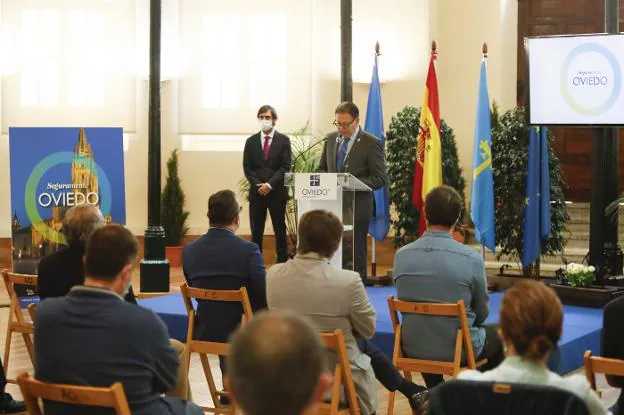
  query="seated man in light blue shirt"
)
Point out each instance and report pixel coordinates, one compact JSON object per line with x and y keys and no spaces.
{"x":436,"y":268}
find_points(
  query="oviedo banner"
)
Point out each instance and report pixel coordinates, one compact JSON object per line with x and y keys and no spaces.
{"x":53,"y":169}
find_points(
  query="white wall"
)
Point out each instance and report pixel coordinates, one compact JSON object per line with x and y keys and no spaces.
{"x":404,"y":29}
{"x":461,"y":30}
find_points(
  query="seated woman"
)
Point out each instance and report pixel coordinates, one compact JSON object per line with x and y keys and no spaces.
{"x":531,"y":319}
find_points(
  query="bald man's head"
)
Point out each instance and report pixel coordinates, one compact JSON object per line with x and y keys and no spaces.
{"x":79,"y":222}
{"x":276,"y":364}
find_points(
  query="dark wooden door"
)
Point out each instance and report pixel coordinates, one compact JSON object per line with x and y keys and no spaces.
{"x":556,"y":17}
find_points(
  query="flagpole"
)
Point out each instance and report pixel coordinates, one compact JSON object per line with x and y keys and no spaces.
{"x":484,"y":51}
{"x":374,"y":245}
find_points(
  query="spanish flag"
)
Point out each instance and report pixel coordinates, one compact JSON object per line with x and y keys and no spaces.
{"x":428,"y":167}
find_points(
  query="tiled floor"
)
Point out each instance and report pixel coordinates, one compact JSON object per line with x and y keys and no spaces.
{"x":20,"y":362}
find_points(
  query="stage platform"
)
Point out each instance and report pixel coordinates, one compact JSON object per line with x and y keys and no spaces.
{"x":582,"y":326}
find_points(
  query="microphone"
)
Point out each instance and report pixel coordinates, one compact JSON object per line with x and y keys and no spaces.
{"x":292,"y":166}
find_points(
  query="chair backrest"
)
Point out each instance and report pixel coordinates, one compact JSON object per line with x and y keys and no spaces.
{"x":343,"y":376}
{"x":11,"y":278}
{"x":458,"y":310}
{"x":202,"y":294}
{"x":474,"y":397}
{"x":33,"y":390}
{"x":604,"y":365}
{"x":206,"y":347}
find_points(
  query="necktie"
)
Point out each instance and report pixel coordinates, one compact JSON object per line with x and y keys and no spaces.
{"x":342,"y":154}
{"x":266,"y":147}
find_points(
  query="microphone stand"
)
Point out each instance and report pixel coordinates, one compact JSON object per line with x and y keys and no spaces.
{"x":292,"y":166}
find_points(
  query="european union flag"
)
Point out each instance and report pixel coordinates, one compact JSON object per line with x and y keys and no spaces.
{"x":482,"y":200}
{"x":380,"y":223}
{"x":537,"y":200}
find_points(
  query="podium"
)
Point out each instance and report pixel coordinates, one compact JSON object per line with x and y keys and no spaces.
{"x":334,"y":192}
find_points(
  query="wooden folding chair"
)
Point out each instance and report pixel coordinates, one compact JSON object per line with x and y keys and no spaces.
{"x":607,"y":366}
{"x":463,"y":341}
{"x":343,"y":378}
{"x":17,"y":322}
{"x":33,"y":390}
{"x":32,"y":311}
{"x":204,"y":348}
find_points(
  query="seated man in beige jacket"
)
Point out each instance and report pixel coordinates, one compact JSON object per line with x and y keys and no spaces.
{"x":336,"y":299}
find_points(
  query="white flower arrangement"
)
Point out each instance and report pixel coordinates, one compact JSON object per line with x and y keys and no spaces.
{"x":580,"y":275}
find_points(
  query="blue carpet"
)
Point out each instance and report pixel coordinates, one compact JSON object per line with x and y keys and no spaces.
{"x":581,"y":326}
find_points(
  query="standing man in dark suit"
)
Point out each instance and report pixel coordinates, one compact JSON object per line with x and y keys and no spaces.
{"x":353,"y":150}
{"x":266,"y":158}
{"x":220,"y":260}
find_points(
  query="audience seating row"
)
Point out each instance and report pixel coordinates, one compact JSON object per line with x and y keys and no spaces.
{"x":114,"y":396}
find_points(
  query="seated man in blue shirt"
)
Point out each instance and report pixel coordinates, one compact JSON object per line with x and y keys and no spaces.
{"x":220,"y":260}
{"x":92,"y":337}
{"x":436,"y":268}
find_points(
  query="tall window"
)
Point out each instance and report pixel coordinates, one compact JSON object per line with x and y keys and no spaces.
{"x":64,"y":49}
{"x":222,"y":67}
{"x":40,"y":69}
{"x":85,"y":59}
{"x":244,"y":60}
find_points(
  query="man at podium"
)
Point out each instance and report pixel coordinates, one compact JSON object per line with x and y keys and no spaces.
{"x":355,"y":151}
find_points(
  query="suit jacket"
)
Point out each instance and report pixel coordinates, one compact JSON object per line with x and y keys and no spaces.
{"x":92,"y":337}
{"x":63,"y":269}
{"x":271,"y":171}
{"x":220,"y":260}
{"x":365,"y":161}
{"x":613,"y":335}
{"x":332,"y":299}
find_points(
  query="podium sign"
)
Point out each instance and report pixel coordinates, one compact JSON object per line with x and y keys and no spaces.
{"x":316,"y":186}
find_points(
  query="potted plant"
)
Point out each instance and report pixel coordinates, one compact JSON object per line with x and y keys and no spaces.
{"x":173,"y":217}
{"x":575,"y":286}
{"x":580,"y":275}
{"x":401,"y":156}
{"x":305,"y":159}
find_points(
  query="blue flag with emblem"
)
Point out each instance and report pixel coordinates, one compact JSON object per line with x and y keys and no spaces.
{"x":380,"y":223}
{"x":482,"y":200}
{"x":537,"y":199}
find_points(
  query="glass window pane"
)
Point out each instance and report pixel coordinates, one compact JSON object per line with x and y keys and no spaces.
{"x":211,"y":86}
{"x":267,"y":84}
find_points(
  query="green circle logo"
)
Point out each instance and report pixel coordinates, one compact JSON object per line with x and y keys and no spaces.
{"x":590,"y":79}
{"x":30,"y":197}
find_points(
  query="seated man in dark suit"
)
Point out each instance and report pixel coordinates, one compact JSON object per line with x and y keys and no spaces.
{"x":92,"y":337}
{"x":219,"y":260}
{"x":613,"y":344}
{"x":61,"y":270}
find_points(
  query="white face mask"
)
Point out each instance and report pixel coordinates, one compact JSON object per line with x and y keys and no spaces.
{"x":265,"y":125}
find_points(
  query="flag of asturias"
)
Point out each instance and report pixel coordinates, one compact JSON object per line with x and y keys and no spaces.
{"x":380,"y":223}
{"x":428,"y":166}
{"x":537,"y":199}
{"x":482,"y":200}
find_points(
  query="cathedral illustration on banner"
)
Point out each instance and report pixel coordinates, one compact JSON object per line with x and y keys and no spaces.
{"x":29,"y":244}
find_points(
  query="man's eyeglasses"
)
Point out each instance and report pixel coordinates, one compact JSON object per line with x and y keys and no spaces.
{"x":343,"y":124}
